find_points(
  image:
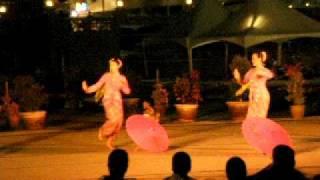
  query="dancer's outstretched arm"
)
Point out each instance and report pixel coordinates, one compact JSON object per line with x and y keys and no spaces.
{"x":93,"y":88}
{"x":243,"y":89}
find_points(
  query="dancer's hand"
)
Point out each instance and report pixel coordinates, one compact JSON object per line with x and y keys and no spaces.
{"x":239,"y":92}
{"x":237,"y":76}
{"x":243,"y":89}
{"x":85,"y":86}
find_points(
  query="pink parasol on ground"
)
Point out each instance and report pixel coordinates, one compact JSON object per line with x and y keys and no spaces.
{"x":264,"y":134}
{"x":147,"y":133}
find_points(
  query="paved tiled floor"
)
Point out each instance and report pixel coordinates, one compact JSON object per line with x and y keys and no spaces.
{"x":72,"y":151}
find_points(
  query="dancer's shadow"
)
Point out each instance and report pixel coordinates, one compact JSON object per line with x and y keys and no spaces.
{"x":18,"y":146}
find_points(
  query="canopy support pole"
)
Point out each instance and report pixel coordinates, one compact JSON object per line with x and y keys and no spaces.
{"x":226,"y":59}
{"x":279,"y":53}
{"x":189,"y":48}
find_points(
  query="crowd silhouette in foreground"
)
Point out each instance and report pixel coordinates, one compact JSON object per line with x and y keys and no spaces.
{"x":281,"y":168}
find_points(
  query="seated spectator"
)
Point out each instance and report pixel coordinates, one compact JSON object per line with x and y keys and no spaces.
{"x":149,"y":111}
{"x":117,"y":164}
{"x":181,"y":166}
{"x":316,"y":177}
{"x":236,"y":169}
{"x":282,"y":167}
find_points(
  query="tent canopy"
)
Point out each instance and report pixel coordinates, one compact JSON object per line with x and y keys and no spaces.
{"x":258,"y":21}
{"x":110,"y":5}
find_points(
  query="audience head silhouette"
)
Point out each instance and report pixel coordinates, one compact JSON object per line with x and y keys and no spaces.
{"x":283,"y":157}
{"x":118,"y":163}
{"x":282,"y":167}
{"x":236,"y":168}
{"x":316,"y":177}
{"x":181,"y":163}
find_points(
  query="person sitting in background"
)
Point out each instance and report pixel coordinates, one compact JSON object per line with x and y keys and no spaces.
{"x":181,"y":166}
{"x":149,"y":111}
{"x":117,"y":165}
{"x":236,"y":169}
{"x":282,"y":167}
{"x":316,"y":177}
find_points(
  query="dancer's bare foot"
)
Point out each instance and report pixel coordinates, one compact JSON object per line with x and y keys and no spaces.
{"x":100,"y":136}
{"x":110,"y":144}
{"x":136,"y":149}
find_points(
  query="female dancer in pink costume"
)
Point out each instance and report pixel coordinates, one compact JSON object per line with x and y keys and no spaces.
{"x":255,"y":79}
{"x":110,"y":85}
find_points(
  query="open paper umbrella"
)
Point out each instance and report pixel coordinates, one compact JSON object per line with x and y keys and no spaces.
{"x":264,"y":134}
{"x":147,"y":133}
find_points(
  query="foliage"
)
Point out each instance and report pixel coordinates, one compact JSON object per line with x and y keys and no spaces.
{"x":160,"y":96}
{"x":295,"y":84}
{"x":29,"y":95}
{"x":187,"y":88}
{"x":242,"y":64}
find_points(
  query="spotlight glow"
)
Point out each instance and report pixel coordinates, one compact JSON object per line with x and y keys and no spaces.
{"x":73,"y":13}
{"x":120,"y":3}
{"x":188,"y":2}
{"x":49,"y":3}
{"x":3,"y":9}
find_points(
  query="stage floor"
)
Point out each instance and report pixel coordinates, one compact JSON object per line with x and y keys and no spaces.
{"x":72,"y":151}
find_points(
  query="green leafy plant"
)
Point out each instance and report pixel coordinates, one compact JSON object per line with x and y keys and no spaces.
{"x":28,"y":94}
{"x":295,"y":84}
{"x":187,"y":88}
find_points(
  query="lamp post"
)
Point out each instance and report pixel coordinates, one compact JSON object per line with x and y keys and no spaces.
{"x":117,"y":19}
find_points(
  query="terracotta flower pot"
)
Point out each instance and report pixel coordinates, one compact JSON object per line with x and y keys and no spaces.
{"x":187,"y":112}
{"x":297,"y":111}
{"x":162,"y":110}
{"x":238,"y":109}
{"x":34,"y":120}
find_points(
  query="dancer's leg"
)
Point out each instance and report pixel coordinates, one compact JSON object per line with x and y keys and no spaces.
{"x":100,"y":134}
{"x":110,"y":142}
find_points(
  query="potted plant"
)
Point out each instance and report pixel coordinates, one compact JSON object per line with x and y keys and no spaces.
{"x":160,"y":99}
{"x":296,"y":90}
{"x":31,"y":98}
{"x":237,"y":106}
{"x":188,"y":95}
{"x":132,"y":101}
{"x":9,"y":108}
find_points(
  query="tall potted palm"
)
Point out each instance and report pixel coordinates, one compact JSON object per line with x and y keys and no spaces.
{"x":31,"y":98}
{"x":188,"y":95}
{"x":237,"y":105}
{"x":160,"y":99}
{"x":296,"y":90}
